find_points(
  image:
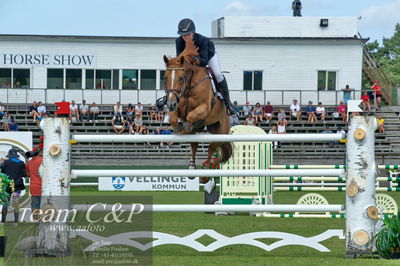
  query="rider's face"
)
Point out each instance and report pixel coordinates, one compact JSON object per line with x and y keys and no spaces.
{"x":188,"y":36}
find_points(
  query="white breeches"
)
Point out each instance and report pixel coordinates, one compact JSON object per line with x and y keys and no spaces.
{"x":216,"y":67}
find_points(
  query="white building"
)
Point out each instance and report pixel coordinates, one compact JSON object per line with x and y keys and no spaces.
{"x":267,"y":58}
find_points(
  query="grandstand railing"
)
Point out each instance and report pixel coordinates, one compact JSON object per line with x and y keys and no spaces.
{"x":276,"y":97}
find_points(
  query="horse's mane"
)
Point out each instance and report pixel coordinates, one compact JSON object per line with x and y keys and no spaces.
{"x":190,"y":50}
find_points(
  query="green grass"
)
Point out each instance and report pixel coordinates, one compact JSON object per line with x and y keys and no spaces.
{"x":182,"y":224}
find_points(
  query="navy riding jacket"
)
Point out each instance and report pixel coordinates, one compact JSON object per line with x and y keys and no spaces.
{"x":206,"y":47}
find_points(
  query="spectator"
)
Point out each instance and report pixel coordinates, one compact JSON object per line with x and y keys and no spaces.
{"x":73,"y":112}
{"x":328,"y":131}
{"x":138,"y":122}
{"x":268,"y":111}
{"x":274,"y":131}
{"x":41,"y":110}
{"x":6,"y":121}
{"x":117,"y":108}
{"x":118,"y":123}
{"x":250,"y":121}
{"x":295,"y":110}
{"x":282,"y":116}
{"x":381,"y":124}
{"x":257,"y":112}
{"x":84,"y":111}
{"x":15,"y":169}
{"x":145,"y":131}
{"x":166,"y":131}
{"x":160,"y":116}
{"x":377,"y":88}
{"x":94,"y":112}
{"x":346,"y":94}
{"x":342,"y":110}
{"x":296,"y":6}
{"x":365,"y":101}
{"x":246,"y":109}
{"x":235,"y":103}
{"x":310,"y":110}
{"x":129,"y":125}
{"x":17,"y":84}
{"x":139,"y":108}
{"x":157,"y":131}
{"x":320,"y":111}
{"x":33,"y":111}
{"x":2,"y":110}
{"x":129,"y":110}
{"x":6,"y":84}
{"x":13,"y":126}
{"x":342,"y":133}
{"x":153,"y":114}
{"x":35,"y":184}
{"x":281,"y":126}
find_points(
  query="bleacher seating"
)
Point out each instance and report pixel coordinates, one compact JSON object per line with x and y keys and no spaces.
{"x":387,"y":145}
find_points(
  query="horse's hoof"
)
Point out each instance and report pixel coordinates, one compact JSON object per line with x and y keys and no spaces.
{"x":204,"y":180}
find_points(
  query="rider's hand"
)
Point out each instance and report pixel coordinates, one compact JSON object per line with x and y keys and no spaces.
{"x":196,"y":59}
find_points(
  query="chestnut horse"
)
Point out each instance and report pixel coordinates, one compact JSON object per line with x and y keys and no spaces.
{"x":193,"y":105}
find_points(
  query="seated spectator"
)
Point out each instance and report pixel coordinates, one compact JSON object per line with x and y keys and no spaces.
{"x":153,"y":114}
{"x":295,"y":110}
{"x":157,"y":131}
{"x":160,"y":116}
{"x":310,"y":111}
{"x":84,"y":111}
{"x":6,"y":121}
{"x":365,"y":101}
{"x":93,"y":113}
{"x":268,"y":111}
{"x":342,"y":110}
{"x":246,"y":109}
{"x":2,"y":110}
{"x":274,"y":131}
{"x":139,"y":109}
{"x":117,"y":108}
{"x":342,"y":133}
{"x":73,"y":112}
{"x":118,"y":123}
{"x":129,"y":124}
{"x":328,"y":131}
{"x":235,"y":103}
{"x":257,"y":112}
{"x":6,"y":84}
{"x":282,"y":116}
{"x":129,"y":110}
{"x":250,"y":121}
{"x":166,"y":131}
{"x":381,"y":124}
{"x":13,"y":126}
{"x":138,"y":122}
{"x":145,"y":131}
{"x":17,"y":84}
{"x":281,"y":126}
{"x":233,"y":120}
{"x":33,"y":111}
{"x":320,"y":112}
{"x":41,"y":110}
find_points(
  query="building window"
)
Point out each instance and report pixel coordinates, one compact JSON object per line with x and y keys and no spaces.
{"x":73,"y":78}
{"x":55,"y":78}
{"x":148,"y":79}
{"x":89,"y":79}
{"x":115,"y":79}
{"x":5,"y":77}
{"x":252,"y":80}
{"x":103,"y":79}
{"x":21,"y":78}
{"x":129,"y":79}
{"x":326,"y":80}
{"x":162,"y":80}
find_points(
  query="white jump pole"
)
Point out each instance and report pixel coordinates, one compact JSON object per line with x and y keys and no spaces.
{"x":207,"y":138}
{"x":212,"y":208}
{"x":361,"y":211}
{"x":206,"y":173}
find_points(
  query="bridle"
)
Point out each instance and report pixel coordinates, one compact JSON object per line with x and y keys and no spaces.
{"x":186,"y":80}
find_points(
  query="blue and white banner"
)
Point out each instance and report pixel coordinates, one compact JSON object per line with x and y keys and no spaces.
{"x":148,"y":184}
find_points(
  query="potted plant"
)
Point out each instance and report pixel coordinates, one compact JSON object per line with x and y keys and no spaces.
{"x":388,"y":238}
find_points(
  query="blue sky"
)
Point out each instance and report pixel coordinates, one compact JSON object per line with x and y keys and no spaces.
{"x":159,"y":18}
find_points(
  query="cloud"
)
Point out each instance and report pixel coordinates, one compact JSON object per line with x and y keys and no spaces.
{"x":379,"y":20}
{"x":238,"y":8}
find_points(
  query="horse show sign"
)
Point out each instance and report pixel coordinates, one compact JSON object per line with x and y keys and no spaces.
{"x":148,"y":184}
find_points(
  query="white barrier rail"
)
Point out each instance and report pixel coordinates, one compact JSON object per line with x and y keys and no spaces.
{"x":212,"y":208}
{"x":208,"y":138}
{"x":206,"y":173}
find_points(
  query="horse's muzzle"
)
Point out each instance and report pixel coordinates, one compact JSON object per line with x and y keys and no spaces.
{"x":172,"y":106}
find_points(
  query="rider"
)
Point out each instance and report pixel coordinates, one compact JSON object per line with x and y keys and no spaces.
{"x":207,"y":56}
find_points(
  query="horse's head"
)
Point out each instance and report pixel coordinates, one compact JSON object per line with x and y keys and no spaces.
{"x":177,"y":78}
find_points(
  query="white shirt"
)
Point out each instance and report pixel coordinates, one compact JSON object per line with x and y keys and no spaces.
{"x":320,"y":110}
{"x":84,"y":108}
{"x":41,"y":109}
{"x":139,"y":108}
{"x":295,"y":108}
{"x":73,"y":108}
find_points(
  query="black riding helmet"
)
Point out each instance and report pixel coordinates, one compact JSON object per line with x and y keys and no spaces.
{"x":186,"y":26}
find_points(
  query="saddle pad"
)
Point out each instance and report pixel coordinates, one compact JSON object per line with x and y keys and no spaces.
{"x":213,"y":85}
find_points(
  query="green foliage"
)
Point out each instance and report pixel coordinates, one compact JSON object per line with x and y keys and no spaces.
{"x":4,"y":181}
{"x":388,"y":238}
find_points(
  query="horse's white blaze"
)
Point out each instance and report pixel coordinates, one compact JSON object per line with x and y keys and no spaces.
{"x":172,"y":79}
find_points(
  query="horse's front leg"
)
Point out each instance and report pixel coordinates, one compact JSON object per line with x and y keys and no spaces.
{"x":199,"y":113}
{"x":173,"y":120}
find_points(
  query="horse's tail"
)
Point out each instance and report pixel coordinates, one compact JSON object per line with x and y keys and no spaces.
{"x":227,"y":151}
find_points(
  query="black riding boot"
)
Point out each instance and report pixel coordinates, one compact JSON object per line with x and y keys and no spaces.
{"x":232,"y":110}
